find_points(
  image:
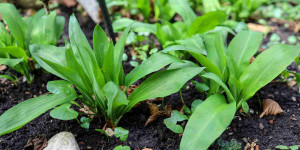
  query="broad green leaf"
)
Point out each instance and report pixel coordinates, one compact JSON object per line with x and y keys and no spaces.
{"x":136,"y":26}
{"x":186,"y":63}
{"x":207,"y":123}
{"x":15,"y":23}
{"x":120,"y":147}
{"x":60,"y":87}
{"x":60,"y":23}
{"x":207,"y":22}
{"x":215,"y":50}
{"x":183,"y":8}
{"x":171,"y":122}
{"x":101,"y":44}
{"x":4,"y":36}
{"x":116,"y":98}
{"x":215,"y":78}
{"x":108,"y":65}
{"x":243,"y":46}
{"x":195,"y":104}
{"x":118,"y":54}
{"x":145,"y":7}
{"x":10,"y":62}
{"x":160,"y":34}
{"x":211,"y":5}
{"x":245,"y":107}
{"x":44,"y":31}
{"x":154,"y":63}
{"x":64,"y":112}
{"x":194,"y":44}
{"x":268,"y":65}
{"x":19,"y":115}
{"x":121,"y":133}
{"x":202,"y":87}
{"x":84,"y":54}
{"x":163,"y":10}
{"x":52,"y":53}
{"x":15,"y":51}
{"x":162,"y":84}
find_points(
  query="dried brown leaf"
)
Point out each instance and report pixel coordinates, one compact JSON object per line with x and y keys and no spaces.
{"x":109,"y":132}
{"x":156,"y":113}
{"x":38,"y":143}
{"x":260,"y":28}
{"x":86,"y":110}
{"x":153,"y":108}
{"x":2,"y":67}
{"x":270,"y":107}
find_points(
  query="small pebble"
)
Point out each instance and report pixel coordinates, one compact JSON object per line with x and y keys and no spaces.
{"x":261,"y":126}
{"x":294,"y":99}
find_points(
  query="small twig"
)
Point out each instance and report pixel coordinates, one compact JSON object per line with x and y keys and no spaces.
{"x":46,"y":6}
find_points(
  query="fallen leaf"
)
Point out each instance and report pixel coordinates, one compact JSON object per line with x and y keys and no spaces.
{"x":109,"y":132}
{"x":260,"y":28}
{"x":291,"y":83}
{"x":257,"y":147}
{"x":3,"y":67}
{"x":155,"y":112}
{"x":38,"y":143}
{"x":270,"y":107}
{"x":86,"y":110}
{"x":68,"y":3}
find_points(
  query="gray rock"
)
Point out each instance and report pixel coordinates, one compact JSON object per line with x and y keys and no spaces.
{"x":62,"y":141}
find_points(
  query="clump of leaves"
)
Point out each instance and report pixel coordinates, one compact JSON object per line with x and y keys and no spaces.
{"x":171,"y":122}
{"x":283,"y":147}
{"x":173,"y":33}
{"x":99,"y":77}
{"x":38,"y":29}
{"x":229,"y":71}
{"x":120,"y":147}
{"x":229,"y":145}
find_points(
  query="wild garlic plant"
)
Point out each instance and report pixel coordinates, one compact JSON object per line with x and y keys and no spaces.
{"x":99,"y":77}
{"x":14,"y":44}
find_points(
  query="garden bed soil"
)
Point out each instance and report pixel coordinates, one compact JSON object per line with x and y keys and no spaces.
{"x":283,"y":131}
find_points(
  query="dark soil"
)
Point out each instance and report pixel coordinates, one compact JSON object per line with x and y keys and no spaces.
{"x":283,"y":131}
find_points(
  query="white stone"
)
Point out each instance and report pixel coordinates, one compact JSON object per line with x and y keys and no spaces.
{"x":62,"y":141}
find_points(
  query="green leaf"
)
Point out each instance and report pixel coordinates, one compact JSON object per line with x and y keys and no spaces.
{"x":207,"y":123}
{"x":245,"y":107}
{"x":14,"y":80}
{"x":183,"y":8}
{"x":60,"y":23}
{"x":10,"y":62}
{"x":44,"y":29}
{"x":24,"y":112}
{"x":162,"y":84}
{"x":215,"y":78}
{"x":194,"y":44}
{"x":243,"y":46}
{"x":60,"y":87}
{"x":136,"y":26}
{"x":101,"y":44}
{"x":202,"y":87}
{"x":211,"y":5}
{"x":116,"y":98}
{"x":15,"y":52}
{"x":207,"y":22}
{"x":85,"y":122}
{"x":195,"y":104}
{"x":121,"y":133}
{"x":295,"y":147}
{"x":15,"y":23}
{"x":118,"y":54}
{"x":120,"y":147}
{"x":64,"y":112}
{"x":145,"y":7}
{"x":154,"y":63}
{"x":268,"y":65}
{"x":282,"y":147}
{"x":4,"y":36}
{"x":186,"y":63}
{"x":171,"y":122}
